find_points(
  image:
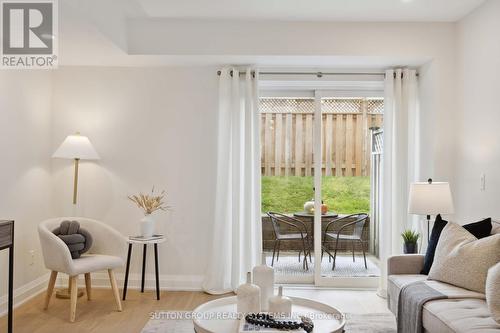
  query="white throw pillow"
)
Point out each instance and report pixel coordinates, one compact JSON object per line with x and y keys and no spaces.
{"x":493,"y":291}
{"x":463,"y":260}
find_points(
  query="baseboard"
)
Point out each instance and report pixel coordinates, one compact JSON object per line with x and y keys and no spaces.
{"x":25,"y":293}
{"x":101,"y":280}
{"x":167,"y":282}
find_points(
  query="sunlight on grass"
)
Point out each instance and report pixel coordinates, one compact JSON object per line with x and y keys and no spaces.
{"x":344,"y":195}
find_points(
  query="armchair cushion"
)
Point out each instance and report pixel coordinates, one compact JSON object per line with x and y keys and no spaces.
{"x":89,"y":263}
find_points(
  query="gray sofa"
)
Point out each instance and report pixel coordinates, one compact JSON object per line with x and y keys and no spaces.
{"x":466,"y":314}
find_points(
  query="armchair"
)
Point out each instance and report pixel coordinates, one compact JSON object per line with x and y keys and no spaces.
{"x":106,"y":253}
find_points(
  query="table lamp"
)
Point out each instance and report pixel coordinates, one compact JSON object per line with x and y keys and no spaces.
{"x":430,"y":198}
{"x":76,"y":147}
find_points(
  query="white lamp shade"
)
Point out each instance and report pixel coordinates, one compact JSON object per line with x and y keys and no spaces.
{"x":76,"y":146}
{"x":430,"y":199}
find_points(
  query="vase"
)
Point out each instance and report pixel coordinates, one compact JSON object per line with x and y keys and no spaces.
{"x":309,"y":207}
{"x":410,"y":248}
{"x":147,"y":226}
{"x":279,"y":305}
{"x":248,"y":297}
{"x":263,"y":277}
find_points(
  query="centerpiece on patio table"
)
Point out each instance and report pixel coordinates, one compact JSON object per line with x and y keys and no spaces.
{"x":149,"y":203}
{"x":309,"y":207}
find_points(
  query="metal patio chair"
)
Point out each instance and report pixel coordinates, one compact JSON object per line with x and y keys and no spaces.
{"x":356,"y":235}
{"x":279,"y":220}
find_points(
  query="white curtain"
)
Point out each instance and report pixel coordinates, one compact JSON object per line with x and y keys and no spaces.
{"x":400,"y":161}
{"x":237,"y":235}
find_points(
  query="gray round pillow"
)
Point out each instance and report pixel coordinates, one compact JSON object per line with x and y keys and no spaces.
{"x":78,"y":240}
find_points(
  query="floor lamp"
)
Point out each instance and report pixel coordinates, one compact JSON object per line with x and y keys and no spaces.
{"x":75,"y":147}
{"x":430,"y":198}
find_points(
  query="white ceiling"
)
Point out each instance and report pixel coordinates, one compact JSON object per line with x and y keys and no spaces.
{"x":314,"y":10}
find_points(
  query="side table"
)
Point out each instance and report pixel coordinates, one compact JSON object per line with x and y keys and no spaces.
{"x":145,"y":244}
{"x":7,"y":242}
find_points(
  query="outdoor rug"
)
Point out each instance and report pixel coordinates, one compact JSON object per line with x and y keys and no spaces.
{"x":289,"y":270}
{"x":356,"y":323}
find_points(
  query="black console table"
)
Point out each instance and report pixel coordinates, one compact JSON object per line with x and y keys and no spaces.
{"x":7,"y":242}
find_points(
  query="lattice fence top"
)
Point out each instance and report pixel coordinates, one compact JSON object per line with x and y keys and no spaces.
{"x":375,"y":106}
{"x":341,"y":105}
{"x":286,"y":105}
{"x":328,"y":105}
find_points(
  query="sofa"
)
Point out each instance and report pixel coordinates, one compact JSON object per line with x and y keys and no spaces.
{"x":467,"y":314}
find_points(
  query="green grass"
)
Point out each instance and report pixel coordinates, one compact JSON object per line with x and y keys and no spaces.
{"x":344,"y":195}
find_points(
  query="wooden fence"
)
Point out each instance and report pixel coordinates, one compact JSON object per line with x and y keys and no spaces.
{"x":287,"y":135}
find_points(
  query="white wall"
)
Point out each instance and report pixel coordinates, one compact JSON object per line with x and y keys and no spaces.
{"x":478,"y":130}
{"x":25,"y":181}
{"x":153,"y":126}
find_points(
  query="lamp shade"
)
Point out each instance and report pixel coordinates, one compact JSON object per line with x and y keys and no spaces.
{"x":76,"y":147}
{"x":430,"y":199}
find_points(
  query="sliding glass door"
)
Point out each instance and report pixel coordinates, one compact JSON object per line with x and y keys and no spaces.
{"x":316,"y":158}
{"x":344,"y":255}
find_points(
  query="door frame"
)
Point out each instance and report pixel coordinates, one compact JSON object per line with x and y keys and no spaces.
{"x":319,"y":280}
{"x":318,"y":93}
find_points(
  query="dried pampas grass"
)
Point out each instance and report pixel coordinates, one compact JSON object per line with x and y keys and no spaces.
{"x":150,"y":203}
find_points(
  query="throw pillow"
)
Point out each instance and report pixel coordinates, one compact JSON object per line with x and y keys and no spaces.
{"x":463,"y":260}
{"x":479,"y":229}
{"x":493,"y":291}
{"x":77,"y":239}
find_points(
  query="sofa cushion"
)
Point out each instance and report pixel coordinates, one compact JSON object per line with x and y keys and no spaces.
{"x":394,"y":285}
{"x":463,"y":260}
{"x":479,"y":229}
{"x":493,"y":291}
{"x":458,"y":316}
{"x":495,"y":229}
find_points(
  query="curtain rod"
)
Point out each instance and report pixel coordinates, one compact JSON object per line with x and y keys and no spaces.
{"x":318,"y":74}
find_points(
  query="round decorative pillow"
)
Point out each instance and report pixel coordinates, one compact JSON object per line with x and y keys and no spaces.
{"x":77,"y":239}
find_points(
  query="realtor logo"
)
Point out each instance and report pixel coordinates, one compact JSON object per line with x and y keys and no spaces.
{"x":29,"y":32}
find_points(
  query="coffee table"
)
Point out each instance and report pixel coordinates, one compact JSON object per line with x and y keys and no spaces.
{"x":218,"y":316}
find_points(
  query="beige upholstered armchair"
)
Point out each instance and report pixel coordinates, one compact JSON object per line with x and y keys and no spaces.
{"x":106,"y":253}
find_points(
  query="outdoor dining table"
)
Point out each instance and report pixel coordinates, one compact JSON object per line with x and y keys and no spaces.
{"x":327,"y":216}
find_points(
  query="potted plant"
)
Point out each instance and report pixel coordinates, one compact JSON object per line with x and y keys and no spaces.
{"x":410,"y":239}
{"x":149,"y":203}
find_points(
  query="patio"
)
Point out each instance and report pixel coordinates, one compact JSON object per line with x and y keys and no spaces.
{"x":289,"y":270}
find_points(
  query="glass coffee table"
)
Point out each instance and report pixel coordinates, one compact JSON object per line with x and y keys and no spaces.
{"x":220,"y":316}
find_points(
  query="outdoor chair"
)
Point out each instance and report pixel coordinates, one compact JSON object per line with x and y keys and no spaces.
{"x":279,"y":221}
{"x":358,"y":224}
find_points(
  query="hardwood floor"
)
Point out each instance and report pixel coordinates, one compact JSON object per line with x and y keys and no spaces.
{"x":100,"y":316}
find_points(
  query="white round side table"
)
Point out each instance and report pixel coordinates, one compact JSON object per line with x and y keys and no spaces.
{"x":145,"y":244}
{"x":218,"y":316}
